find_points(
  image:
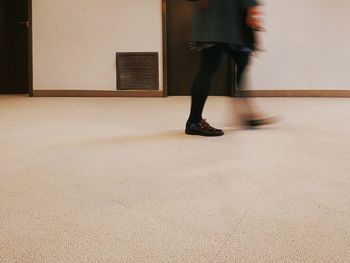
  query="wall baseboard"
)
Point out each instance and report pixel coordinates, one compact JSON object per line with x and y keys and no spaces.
{"x":158,"y":94}
{"x":299,"y":93}
{"x":96,"y":93}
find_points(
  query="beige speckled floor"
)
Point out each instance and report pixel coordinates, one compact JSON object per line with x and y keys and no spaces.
{"x":116,"y":180}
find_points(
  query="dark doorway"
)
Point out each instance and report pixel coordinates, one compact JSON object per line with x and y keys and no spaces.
{"x":14,"y":47}
{"x":182,"y":64}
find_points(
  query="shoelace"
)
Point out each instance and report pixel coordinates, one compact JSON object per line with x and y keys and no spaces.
{"x":205,"y":124}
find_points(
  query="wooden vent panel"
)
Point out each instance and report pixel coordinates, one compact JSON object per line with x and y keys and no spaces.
{"x":137,"y":71}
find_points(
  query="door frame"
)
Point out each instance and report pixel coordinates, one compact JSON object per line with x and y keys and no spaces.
{"x":30,"y":47}
{"x":165,"y":48}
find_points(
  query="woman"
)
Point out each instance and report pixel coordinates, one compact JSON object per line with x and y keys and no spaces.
{"x":221,"y":26}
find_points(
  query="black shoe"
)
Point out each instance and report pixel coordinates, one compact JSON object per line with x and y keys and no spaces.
{"x":202,"y":128}
{"x":253,"y":123}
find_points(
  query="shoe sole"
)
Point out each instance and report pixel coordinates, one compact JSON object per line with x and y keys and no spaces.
{"x":204,"y":134}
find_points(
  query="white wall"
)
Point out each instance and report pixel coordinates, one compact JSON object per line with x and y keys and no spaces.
{"x":307,"y":45}
{"x":307,"y":42}
{"x":74,"y":42}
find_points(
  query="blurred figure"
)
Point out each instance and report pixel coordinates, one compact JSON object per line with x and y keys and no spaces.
{"x":221,"y":26}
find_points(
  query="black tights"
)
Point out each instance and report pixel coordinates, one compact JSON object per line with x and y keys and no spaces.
{"x":211,"y":61}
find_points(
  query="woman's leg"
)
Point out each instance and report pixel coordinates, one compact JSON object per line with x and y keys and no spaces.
{"x":241,"y":58}
{"x":210,"y":63}
{"x":251,"y":116}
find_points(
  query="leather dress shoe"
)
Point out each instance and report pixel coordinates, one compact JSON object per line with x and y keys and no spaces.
{"x":202,"y":128}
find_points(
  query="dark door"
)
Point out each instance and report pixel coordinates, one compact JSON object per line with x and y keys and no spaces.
{"x":14,"y":54}
{"x":182,"y":63}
